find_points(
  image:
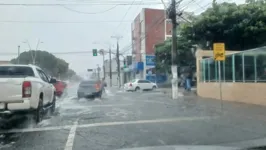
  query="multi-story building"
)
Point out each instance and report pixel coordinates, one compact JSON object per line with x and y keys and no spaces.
{"x":149,"y":28}
{"x":114,"y":71}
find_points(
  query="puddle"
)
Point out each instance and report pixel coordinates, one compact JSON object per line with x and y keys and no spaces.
{"x":8,"y":139}
{"x":44,"y":123}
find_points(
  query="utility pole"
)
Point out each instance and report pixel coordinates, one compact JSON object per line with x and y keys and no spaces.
{"x":110,"y":66}
{"x":103,"y":53}
{"x":98,"y":72}
{"x":18,"y":54}
{"x":172,"y":16}
{"x":117,"y":59}
{"x":35,"y":53}
{"x":125,"y":73}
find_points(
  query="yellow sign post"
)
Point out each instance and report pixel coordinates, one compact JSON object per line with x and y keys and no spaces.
{"x":219,"y":51}
{"x":219,"y":55}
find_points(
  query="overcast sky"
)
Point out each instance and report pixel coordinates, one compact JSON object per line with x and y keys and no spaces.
{"x":74,"y":28}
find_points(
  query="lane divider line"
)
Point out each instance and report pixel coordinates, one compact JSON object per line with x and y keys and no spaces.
{"x":71,"y":136}
{"x":110,"y":124}
{"x":144,"y":121}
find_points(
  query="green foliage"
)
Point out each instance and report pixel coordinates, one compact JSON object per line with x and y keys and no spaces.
{"x":163,"y":54}
{"x":48,"y":62}
{"x":240,"y":27}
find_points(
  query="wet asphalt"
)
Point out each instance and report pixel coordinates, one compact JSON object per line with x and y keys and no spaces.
{"x":137,"y":119}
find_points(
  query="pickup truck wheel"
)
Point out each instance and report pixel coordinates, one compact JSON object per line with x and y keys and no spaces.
{"x":53,"y":104}
{"x":39,"y":112}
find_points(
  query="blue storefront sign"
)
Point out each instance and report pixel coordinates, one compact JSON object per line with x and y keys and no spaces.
{"x":150,"y":60}
{"x":139,"y":66}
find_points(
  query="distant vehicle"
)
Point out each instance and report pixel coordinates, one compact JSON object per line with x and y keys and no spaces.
{"x":90,"y":88}
{"x":138,"y":84}
{"x":60,"y":87}
{"x":25,"y":89}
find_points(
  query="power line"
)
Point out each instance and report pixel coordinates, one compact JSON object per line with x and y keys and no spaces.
{"x":124,"y":16}
{"x":129,"y":47}
{"x":157,"y":22}
{"x":63,"y":22}
{"x":54,"y":53}
{"x":89,"y":13}
{"x":80,"y":4}
{"x":125,"y":31}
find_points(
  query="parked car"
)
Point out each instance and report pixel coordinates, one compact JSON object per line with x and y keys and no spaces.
{"x":90,"y":88}
{"x":138,"y":84}
{"x":60,"y":87}
{"x":25,"y":89}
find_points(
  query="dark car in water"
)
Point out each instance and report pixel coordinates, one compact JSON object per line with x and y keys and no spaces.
{"x":90,"y":88}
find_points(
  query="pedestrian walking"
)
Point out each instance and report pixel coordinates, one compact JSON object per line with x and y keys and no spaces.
{"x":188,"y":81}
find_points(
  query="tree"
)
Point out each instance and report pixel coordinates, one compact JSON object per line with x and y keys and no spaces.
{"x":240,"y":27}
{"x":48,"y":62}
{"x":185,"y":55}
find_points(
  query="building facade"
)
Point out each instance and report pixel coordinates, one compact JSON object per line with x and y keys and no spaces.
{"x":150,"y":27}
{"x":243,"y":76}
{"x":114,"y":72}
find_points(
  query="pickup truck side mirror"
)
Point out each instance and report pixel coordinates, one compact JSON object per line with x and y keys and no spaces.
{"x":52,"y":80}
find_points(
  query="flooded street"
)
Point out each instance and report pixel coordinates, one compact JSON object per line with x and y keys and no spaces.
{"x":128,"y":119}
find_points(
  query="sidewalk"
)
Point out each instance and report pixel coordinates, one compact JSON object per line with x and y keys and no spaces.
{"x":244,"y":110}
{"x":181,"y":91}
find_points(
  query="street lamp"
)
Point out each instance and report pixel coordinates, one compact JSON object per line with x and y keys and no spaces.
{"x":107,"y":46}
{"x":102,"y":52}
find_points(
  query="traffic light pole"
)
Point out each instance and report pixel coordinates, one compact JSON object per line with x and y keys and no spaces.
{"x":103,"y":53}
{"x":110,"y":66}
{"x":125,"y":74}
{"x":103,"y":67}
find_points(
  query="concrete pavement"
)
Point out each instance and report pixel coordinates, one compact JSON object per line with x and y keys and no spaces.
{"x":136,"y":119}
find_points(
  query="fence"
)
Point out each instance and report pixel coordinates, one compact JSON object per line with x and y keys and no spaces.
{"x":246,"y":66}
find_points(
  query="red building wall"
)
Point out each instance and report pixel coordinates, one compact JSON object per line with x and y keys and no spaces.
{"x":154,"y":28}
{"x":154,"y":33}
{"x":168,"y":28}
{"x":136,"y":38}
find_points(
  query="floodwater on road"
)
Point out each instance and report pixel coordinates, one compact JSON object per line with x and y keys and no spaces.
{"x":123,"y":119}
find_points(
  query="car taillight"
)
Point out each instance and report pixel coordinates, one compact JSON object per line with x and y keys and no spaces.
{"x":97,"y":87}
{"x":26,"y":89}
{"x":130,"y":84}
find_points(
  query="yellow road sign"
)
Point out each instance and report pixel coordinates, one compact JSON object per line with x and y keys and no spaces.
{"x":219,"y":51}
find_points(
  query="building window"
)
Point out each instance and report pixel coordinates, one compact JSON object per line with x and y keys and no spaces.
{"x":246,"y":66}
{"x":238,"y":67}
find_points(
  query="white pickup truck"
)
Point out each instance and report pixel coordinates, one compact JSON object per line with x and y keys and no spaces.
{"x":25,"y":89}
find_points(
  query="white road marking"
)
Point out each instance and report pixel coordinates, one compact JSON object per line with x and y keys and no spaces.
{"x":91,"y":106}
{"x":149,"y":101}
{"x":109,"y":105}
{"x":144,"y":121}
{"x":36,"y":129}
{"x":71,"y":136}
{"x":168,"y":120}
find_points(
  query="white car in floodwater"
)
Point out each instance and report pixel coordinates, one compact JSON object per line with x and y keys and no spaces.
{"x":139,"y":84}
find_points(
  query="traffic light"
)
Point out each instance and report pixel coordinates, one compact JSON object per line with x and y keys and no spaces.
{"x":94,"y":52}
{"x":125,"y":65}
